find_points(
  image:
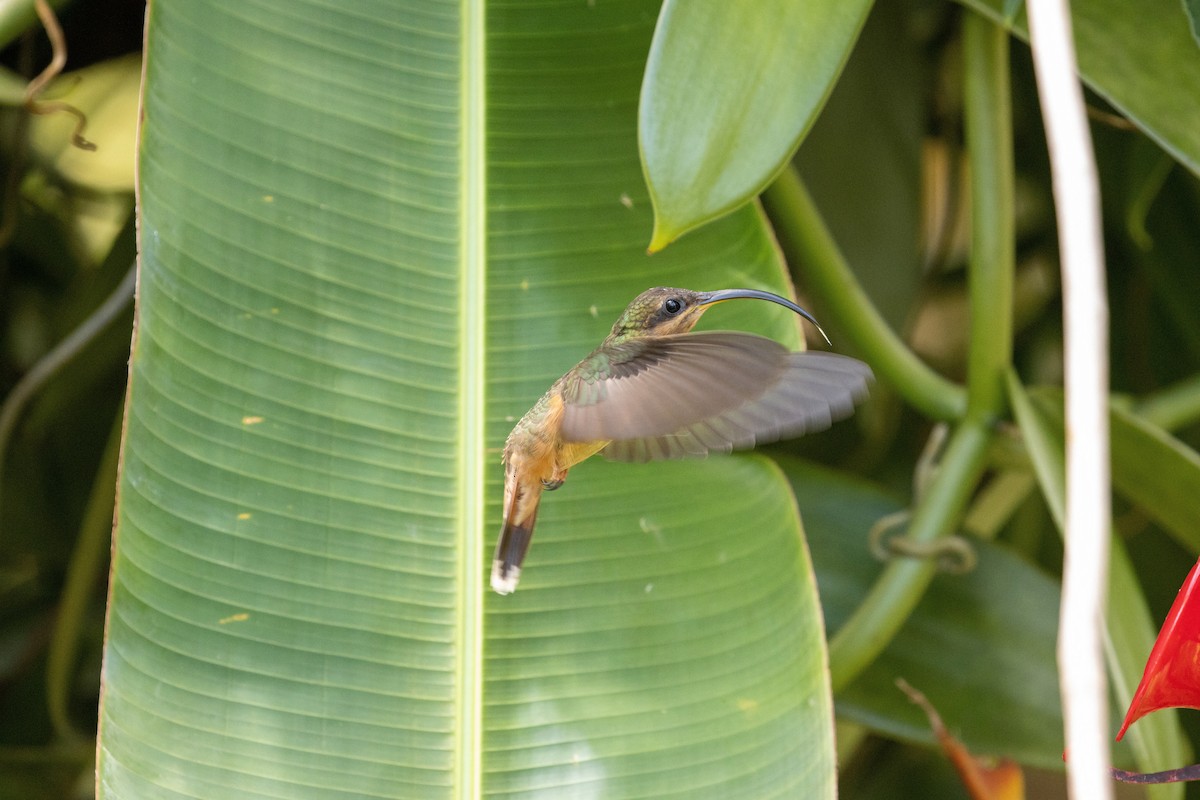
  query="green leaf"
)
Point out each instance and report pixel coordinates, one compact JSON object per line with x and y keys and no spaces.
{"x":866,"y":179}
{"x":1042,"y":433}
{"x":1192,"y":9}
{"x":922,"y":773}
{"x":1141,"y":57}
{"x":1011,"y":9}
{"x":371,"y":235}
{"x":1160,"y":744}
{"x":1150,"y":467}
{"x":730,"y":89}
{"x":1157,"y":472}
{"x":979,"y":645}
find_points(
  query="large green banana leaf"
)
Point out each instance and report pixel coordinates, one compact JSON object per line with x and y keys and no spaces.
{"x":1141,"y":57}
{"x":371,"y":234}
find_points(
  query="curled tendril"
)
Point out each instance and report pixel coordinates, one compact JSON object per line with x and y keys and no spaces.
{"x":58,"y":44}
{"x":954,"y":554}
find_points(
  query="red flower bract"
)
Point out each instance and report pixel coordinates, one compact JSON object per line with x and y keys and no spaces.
{"x":1172,"y":675}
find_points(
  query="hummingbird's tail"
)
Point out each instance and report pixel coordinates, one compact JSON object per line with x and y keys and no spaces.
{"x":520,"y":514}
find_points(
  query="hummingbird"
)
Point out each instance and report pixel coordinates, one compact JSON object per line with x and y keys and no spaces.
{"x":653,"y":390}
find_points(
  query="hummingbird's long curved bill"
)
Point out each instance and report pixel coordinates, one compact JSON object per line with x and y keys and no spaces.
{"x":708,"y":298}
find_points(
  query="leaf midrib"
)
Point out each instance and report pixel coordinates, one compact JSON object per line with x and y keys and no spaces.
{"x":471,"y":432}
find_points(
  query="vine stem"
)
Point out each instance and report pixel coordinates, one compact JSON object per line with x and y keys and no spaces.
{"x":50,"y":364}
{"x":805,"y":239}
{"x":897,"y":591}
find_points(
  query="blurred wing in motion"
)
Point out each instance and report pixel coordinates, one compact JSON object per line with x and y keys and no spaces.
{"x":690,"y":394}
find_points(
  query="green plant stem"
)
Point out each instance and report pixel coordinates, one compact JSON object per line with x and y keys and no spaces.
{"x":806,"y":240}
{"x":88,"y":558}
{"x":62,"y":353}
{"x":894,"y":596}
{"x":988,"y":113}
{"x":900,"y":587}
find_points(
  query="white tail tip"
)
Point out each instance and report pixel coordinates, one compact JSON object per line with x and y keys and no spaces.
{"x":501,"y":583}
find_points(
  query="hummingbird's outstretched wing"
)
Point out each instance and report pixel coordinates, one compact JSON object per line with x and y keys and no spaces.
{"x":690,"y":394}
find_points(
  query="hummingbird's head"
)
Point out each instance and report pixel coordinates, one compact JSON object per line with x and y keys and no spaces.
{"x":664,"y":310}
{"x":661,"y":311}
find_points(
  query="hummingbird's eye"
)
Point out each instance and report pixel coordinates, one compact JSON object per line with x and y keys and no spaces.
{"x":672,"y":306}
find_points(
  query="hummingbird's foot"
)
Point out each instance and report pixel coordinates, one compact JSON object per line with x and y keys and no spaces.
{"x":551,"y":485}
